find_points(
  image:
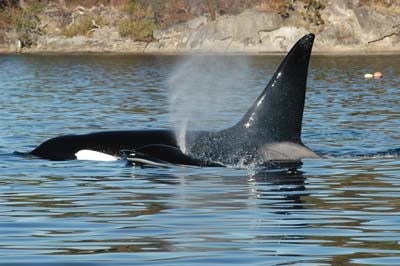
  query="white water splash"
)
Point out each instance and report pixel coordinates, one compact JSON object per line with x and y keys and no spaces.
{"x":205,"y":90}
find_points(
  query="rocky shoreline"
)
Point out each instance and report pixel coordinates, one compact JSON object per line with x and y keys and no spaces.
{"x":348,"y":28}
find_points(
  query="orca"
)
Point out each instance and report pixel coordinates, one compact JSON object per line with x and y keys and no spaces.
{"x":269,"y":131}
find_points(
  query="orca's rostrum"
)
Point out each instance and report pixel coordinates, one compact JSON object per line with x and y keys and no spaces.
{"x":269,"y":131}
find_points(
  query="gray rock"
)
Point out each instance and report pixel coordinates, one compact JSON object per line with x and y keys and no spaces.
{"x":348,"y":27}
{"x":106,"y":33}
{"x":197,"y":22}
{"x":282,"y":39}
{"x":376,"y":25}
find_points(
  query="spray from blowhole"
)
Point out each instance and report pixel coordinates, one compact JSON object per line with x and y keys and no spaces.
{"x":204,"y":91}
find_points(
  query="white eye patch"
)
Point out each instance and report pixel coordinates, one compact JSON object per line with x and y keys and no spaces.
{"x":90,"y":155}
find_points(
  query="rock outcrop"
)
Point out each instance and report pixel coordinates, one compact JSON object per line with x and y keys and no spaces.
{"x":348,"y":27}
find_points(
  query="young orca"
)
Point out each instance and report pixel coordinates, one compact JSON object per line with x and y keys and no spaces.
{"x":269,"y":131}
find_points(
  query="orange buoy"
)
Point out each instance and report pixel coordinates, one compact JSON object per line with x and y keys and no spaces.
{"x":377,"y":75}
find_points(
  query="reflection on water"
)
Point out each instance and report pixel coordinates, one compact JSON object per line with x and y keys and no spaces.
{"x":341,"y":210}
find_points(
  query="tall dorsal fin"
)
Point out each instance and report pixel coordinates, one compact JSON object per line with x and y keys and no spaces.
{"x":277,"y":113}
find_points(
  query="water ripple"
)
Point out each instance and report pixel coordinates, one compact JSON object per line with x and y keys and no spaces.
{"x":340,"y":210}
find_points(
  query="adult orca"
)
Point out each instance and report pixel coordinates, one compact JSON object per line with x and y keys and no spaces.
{"x":269,"y":131}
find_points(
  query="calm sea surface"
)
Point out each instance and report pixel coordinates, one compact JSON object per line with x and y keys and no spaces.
{"x":341,"y":210}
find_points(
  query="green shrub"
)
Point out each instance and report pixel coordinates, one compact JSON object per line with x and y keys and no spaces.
{"x":284,"y":8}
{"x":83,"y":25}
{"x":2,"y":37}
{"x":134,"y":7}
{"x":85,"y":3}
{"x":141,"y":22}
{"x":125,"y":27}
{"x":140,"y":30}
{"x":312,"y":12}
{"x":25,"y":21}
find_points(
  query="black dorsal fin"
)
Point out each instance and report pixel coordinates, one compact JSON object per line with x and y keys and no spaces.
{"x":277,"y":113}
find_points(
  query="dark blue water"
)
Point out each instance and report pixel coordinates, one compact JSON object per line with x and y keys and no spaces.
{"x":340,"y":210}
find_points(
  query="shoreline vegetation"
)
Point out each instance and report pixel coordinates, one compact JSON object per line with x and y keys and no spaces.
{"x":198,"y":26}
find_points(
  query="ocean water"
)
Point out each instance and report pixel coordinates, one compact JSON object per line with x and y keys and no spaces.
{"x":343,"y":209}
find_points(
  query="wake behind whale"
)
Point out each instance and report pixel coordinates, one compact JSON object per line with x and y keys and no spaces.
{"x":384,"y":154}
{"x":269,"y":132}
